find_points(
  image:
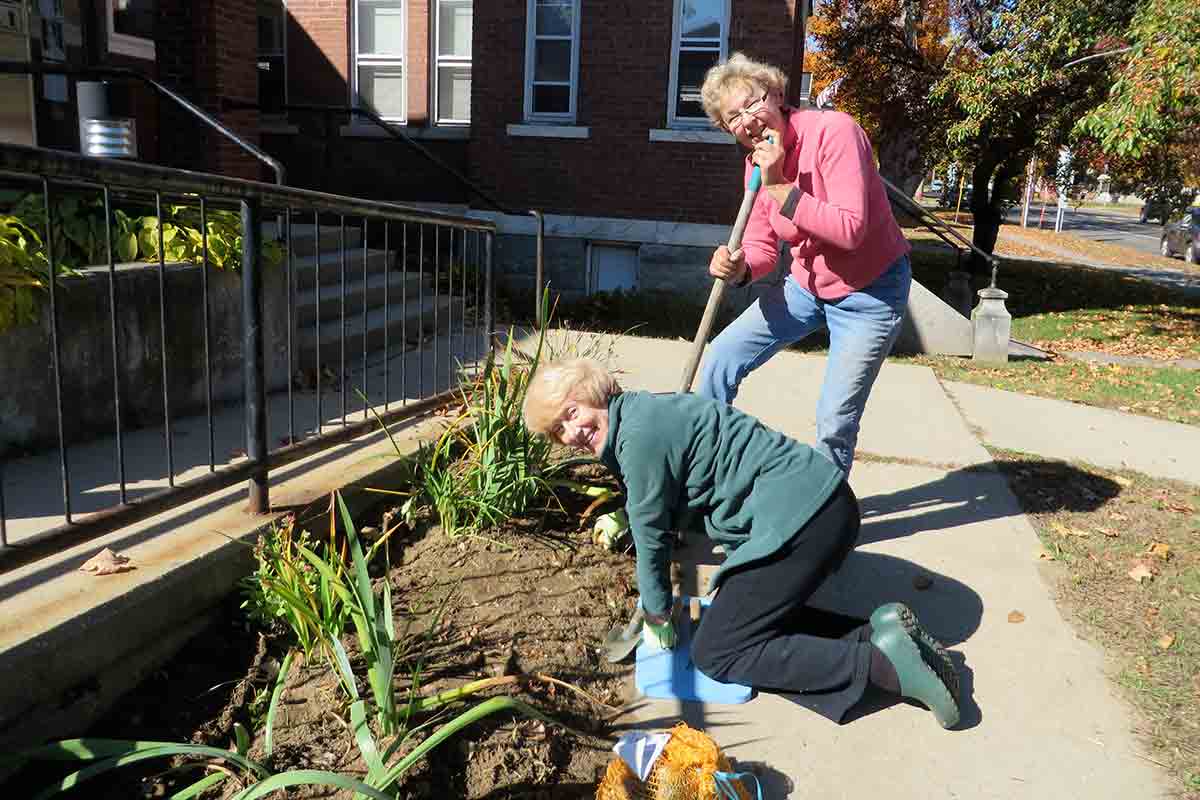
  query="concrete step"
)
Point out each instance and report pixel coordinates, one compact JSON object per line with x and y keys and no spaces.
{"x":402,"y":292}
{"x":420,"y":317}
{"x":305,"y":267}
{"x":304,"y":236}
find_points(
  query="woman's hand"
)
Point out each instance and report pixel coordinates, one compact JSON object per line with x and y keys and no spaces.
{"x":769,"y":156}
{"x":727,"y":266}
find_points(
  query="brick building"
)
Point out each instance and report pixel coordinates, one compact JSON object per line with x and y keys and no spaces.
{"x":589,"y":112}
{"x":586,"y":110}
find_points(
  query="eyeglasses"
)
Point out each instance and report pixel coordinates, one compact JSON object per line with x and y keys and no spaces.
{"x":738,"y":120}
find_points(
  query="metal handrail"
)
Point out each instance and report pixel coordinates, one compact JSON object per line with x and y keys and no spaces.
{"x":18,"y":159}
{"x":25,"y":68}
{"x":471,"y":238}
{"x":396,"y":133}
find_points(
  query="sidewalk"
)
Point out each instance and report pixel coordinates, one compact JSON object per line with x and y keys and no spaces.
{"x":1040,"y":719}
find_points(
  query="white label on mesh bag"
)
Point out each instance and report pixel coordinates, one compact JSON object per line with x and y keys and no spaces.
{"x":640,"y":750}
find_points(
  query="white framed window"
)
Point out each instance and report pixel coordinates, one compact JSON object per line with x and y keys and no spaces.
{"x":612,"y":267}
{"x":699,"y":40}
{"x":272,"y":56}
{"x":380,"y":77}
{"x":131,"y":27}
{"x":452,"y":62}
{"x":551,"y":60}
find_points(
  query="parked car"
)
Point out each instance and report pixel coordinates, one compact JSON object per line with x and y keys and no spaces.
{"x":1182,"y":236}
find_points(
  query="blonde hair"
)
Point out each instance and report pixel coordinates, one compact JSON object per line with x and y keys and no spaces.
{"x":579,"y":379}
{"x":736,"y":73}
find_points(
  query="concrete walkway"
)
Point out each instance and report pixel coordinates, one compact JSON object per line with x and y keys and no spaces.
{"x":1040,"y":720}
{"x":1074,"y":432}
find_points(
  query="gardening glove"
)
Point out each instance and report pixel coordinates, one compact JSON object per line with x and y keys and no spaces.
{"x":609,"y":528}
{"x":659,"y":636}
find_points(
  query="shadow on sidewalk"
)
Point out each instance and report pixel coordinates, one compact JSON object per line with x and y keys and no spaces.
{"x":978,"y":494}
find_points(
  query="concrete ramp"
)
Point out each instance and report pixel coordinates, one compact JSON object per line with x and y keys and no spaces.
{"x":932,"y":326}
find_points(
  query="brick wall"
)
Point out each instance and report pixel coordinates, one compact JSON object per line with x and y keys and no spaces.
{"x":320,"y":156}
{"x":205,"y":50}
{"x":624,"y":64}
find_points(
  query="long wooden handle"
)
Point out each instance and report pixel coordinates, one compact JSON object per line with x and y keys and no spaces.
{"x":718,"y":289}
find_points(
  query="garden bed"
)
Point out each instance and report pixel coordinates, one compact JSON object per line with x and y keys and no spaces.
{"x":535,"y":596}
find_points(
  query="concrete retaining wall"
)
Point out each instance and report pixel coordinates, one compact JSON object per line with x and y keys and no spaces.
{"x":27,"y":405}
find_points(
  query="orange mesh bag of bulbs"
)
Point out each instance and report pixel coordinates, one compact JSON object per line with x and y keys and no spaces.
{"x":690,"y":767}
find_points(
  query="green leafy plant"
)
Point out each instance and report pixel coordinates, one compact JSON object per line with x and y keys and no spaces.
{"x":23,"y":272}
{"x":286,"y":589}
{"x":486,"y":467}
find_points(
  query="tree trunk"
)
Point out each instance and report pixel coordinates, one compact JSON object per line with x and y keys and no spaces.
{"x":987,"y":207}
{"x":902,"y":159}
{"x":987,"y":219}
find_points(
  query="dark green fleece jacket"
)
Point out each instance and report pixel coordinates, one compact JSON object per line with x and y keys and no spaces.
{"x":684,"y":458}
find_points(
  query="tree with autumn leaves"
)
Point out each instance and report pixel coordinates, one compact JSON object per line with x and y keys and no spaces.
{"x":993,"y":83}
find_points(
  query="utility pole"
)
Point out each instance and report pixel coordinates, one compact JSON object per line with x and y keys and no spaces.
{"x":1028,"y":193}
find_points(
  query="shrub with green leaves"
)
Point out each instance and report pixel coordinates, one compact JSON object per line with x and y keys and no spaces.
{"x":80,"y":240}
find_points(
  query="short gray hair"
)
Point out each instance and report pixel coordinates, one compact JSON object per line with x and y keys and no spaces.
{"x":738,"y":71}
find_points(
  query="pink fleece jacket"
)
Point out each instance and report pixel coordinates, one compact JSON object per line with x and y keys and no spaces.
{"x":843,"y":235}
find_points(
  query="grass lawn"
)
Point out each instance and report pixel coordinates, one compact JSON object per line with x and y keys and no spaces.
{"x":1123,"y":551}
{"x":1064,"y":308}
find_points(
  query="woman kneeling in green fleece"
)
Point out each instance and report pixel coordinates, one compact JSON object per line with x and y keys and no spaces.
{"x":784,"y":513}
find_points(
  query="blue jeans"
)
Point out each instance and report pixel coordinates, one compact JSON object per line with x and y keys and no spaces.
{"x":863,"y":326}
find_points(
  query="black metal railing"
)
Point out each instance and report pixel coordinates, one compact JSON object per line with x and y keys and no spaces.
{"x":440,"y":265}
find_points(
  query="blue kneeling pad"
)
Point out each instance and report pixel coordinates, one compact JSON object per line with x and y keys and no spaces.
{"x":671,"y":675}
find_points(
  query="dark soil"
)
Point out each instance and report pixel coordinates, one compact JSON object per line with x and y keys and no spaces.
{"x":534,"y":597}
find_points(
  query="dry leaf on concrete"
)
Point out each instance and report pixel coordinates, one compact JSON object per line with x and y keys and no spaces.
{"x":1160,"y":549}
{"x":1015,"y":617}
{"x":1045,"y":555}
{"x":1140,"y":572}
{"x":1165,"y":641}
{"x":106,"y":562}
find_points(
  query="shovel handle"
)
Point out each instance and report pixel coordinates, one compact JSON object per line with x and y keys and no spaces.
{"x":718,"y":289}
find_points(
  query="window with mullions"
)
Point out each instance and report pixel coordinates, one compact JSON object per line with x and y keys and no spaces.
{"x":701,"y":31}
{"x":380,"y":33}
{"x":452,"y":72}
{"x":551,"y":60}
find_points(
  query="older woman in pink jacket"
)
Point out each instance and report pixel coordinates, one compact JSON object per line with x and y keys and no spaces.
{"x":849,"y":272}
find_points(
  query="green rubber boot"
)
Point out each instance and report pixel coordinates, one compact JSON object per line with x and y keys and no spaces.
{"x":933,"y":652}
{"x":924,"y":676}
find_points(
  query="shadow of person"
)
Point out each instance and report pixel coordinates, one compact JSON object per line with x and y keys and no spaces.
{"x":976,"y":494}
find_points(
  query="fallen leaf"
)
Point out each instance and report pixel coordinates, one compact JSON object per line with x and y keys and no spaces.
{"x":1117,"y":515}
{"x":1140,"y":572}
{"x":1045,"y":555}
{"x":1015,"y":617}
{"x":1109,"y":533}
{"x":1160,"y":549}
{"x":106,"y":562}
{"x":1180,"y":508}
{"x":1165,"y":641}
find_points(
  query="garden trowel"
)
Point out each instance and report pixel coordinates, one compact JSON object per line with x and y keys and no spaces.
{"x":622,"y":640}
